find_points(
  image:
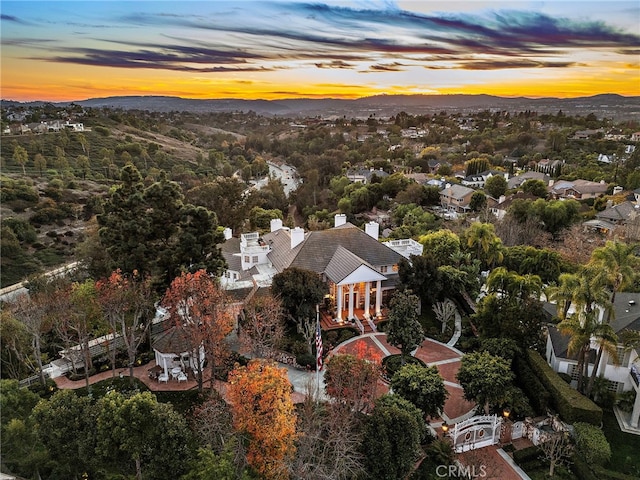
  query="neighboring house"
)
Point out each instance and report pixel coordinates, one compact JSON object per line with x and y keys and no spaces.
{"x":623,"y":376}
{"x":364,"y":175}
{"x":434,"y":165}
{"x":456,"y":198}
{"x":518,"y":180}
{"x":361,"y":272}
{"x":413,"y":132}
{"x":635,"y":137}
{"x":420,"y":177}
{"x":602,"y":158}
{"x":586,"y":134}
{"x":38,"y":127}
{"x":499,"y":207}
{"x":578,"y":189}
{"x":478,"y":180}
{"x":381,"y":217}
{"x":636,"y":195}
{"x":618,"y":214}
{"x":548,"y":166}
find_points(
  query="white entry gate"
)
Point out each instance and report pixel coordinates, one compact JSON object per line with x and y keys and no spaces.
{"x":476,"y":432}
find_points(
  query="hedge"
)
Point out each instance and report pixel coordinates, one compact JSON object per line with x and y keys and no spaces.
{"x":527,"y":454}
{"x":581,"y":469}
{"x":539,"y":396}
{"x":592,"y":444}
{"x":569,"y":403}
{"x":602,"y":473}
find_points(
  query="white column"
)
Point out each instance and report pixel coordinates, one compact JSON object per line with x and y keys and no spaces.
{"x":635,"y":414}
{"x":339,"y":302}
{"x":367,"y":298}
{"x":378,"y":297}
{"x":351,"y":301}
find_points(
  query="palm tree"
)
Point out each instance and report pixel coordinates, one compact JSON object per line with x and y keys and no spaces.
{"x":607,"y":340}
{"x":617,"y":267}
{"x":482,"y":238}
{"x":563,"y":293}
{"x":579,"y":328}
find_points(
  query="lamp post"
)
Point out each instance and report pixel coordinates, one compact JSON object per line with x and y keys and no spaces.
{"x":505,"y":433}
{"x":445,"y":430}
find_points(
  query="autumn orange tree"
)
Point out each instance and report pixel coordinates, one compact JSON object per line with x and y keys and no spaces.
{"x":262,"y":408}
{"x":127,"y":304}
{"x":352,"y":379}
{"x":199,"y":308}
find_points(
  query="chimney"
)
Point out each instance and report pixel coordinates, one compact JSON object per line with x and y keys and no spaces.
{"x":276,"y":224}
{"x":339,"y":219}
{"x":297,"y":237}
{"x":372,"y":229}
{"x":228,"y":233}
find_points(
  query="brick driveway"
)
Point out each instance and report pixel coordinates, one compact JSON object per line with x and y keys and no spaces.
{"x":445,"y":358}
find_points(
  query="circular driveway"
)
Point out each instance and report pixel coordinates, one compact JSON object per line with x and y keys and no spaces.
{"x":446,"y":359}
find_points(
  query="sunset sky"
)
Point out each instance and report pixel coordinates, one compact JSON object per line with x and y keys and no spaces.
{"x":60,"y":51}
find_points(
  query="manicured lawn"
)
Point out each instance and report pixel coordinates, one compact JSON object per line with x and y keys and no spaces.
{"x":625,"y":447}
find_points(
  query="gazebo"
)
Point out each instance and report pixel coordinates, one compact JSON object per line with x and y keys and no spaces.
{"x":172,"y":349}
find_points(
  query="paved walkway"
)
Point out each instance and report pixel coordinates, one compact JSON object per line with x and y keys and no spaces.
{"x":142,"y":374}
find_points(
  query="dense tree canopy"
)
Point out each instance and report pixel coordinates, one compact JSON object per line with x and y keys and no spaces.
{"x":403,"y":328}
{"x":484,"y":378}
{"x":393,"y":441}
{"x":152,"y":231}
{"x":422,"y":386}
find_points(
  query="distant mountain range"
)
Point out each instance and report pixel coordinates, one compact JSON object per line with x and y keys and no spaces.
{"x":606,"y":105}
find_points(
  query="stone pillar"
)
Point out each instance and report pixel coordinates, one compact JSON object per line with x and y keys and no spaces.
{"x":378,"y":297}
{"x":367,"y":298}
{"x":339,"y":302}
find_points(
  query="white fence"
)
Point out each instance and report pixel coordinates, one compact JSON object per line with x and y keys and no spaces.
{"x":476,"y":432}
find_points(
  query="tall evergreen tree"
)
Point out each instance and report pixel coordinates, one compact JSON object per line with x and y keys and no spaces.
{"x":152,"y":231}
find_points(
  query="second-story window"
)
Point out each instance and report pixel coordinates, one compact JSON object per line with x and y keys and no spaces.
{"x":383,"y":269}
{"x":254,"y":259}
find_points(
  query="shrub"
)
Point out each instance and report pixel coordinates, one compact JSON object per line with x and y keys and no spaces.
{"x":306,"y":360}
{"x":591,"y":443}
{"x":569,"y":403}
{"x":104,"y":131}
{"x":24,"y":231}
{"x":525,"y":455}
{"x":539,"y":396}
{"x":581,"y":469}
{"x":625,"y":401}
{"x":602,"y":473}
{"x":393,"y":363}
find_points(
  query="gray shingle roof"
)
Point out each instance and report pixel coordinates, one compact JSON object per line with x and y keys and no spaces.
{"x":342,"y":264}
{"x":174,"y":340}
{"x":617,"y":213}
{"x":319,"y":247}
{"x":281,"y":254}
